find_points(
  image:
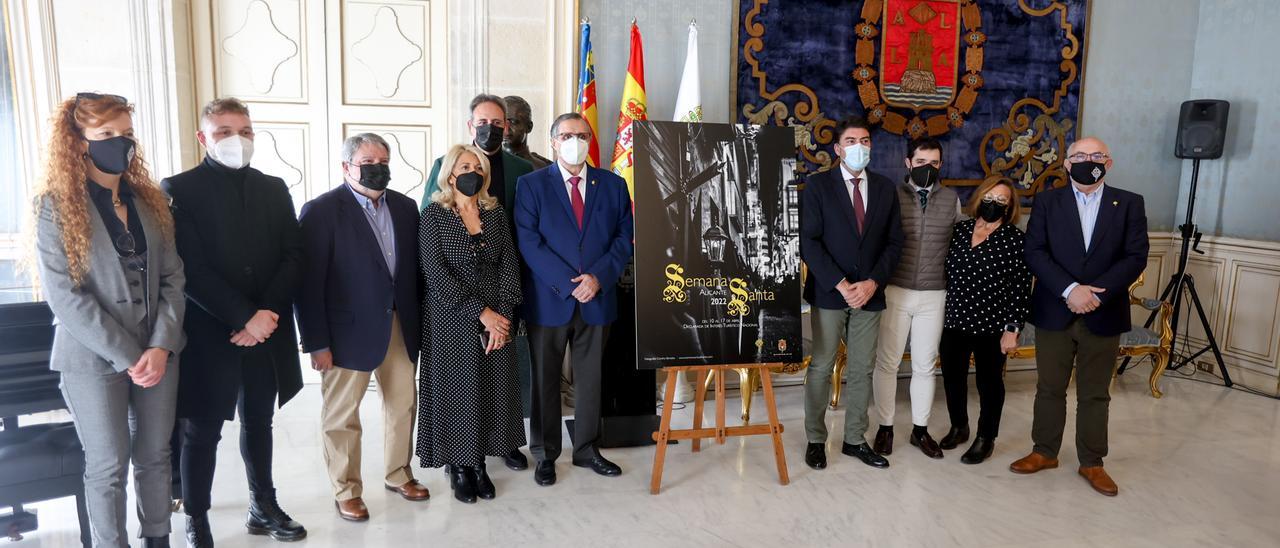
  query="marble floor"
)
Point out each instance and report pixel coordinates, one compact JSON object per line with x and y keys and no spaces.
{"x":1200,"y":467}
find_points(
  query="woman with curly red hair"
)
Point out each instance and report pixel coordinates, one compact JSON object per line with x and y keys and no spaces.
{"x":105,"y":256}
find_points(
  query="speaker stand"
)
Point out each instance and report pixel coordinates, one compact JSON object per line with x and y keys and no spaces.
{"x":1181,"y":283}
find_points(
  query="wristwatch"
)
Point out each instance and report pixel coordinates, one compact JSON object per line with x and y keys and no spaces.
{"x":1012,"y":328}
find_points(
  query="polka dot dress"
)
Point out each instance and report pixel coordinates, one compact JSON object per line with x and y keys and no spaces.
{"x":988,"y":286}
{"x":468,"y":402}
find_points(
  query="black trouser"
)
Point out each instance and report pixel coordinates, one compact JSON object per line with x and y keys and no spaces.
{"x":988,"y":362}
{"x":256,"y":406}
{"x":1093,"y":359}
{"x":586,"y":345}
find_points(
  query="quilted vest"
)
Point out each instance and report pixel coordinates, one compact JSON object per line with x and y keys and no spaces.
{"x":928,"y":236}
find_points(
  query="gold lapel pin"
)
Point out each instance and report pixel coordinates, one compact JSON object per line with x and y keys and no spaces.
{"x":593,"y":182}
{"x":1115,"y":203}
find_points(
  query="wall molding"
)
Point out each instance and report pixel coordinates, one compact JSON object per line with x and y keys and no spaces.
{"x":468,"y":65}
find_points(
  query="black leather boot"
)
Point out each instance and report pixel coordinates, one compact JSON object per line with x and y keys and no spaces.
{"x":156,"y":542}
{"x":198,"y":533}
{"x":266,"y":518}
{"x":464,"y":484}
{"x":484,"y":485}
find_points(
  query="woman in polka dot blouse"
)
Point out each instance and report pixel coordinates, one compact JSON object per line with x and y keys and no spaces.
{"x":988,"y":286}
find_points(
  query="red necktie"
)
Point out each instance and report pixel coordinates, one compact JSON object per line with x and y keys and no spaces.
{"x":576,"y":199}
{"x":859,"y":209}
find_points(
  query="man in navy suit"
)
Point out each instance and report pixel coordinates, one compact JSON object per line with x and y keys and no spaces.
{"x":851,"y":238}
{"x":574,"y":230}
{"x":1086,"y":244}
{"x":358,"y":311}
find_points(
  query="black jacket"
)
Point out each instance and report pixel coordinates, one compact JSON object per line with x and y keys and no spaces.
{"x":1056,"y":256}
{"x":347,"y":297}
{"x":242,"y":252}
{"x":830,"y":244}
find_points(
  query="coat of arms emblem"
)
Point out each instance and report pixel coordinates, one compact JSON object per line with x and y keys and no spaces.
{"x":920,"y":53}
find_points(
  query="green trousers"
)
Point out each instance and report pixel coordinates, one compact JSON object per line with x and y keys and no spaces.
{"x":1094,"y":360}
{"x":858,"y":330}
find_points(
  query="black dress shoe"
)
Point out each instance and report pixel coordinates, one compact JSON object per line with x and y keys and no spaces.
{"x":815,"y":455}
{"x":516,"y":460}
{"x":464,"y":484}
{"x":979,"y":451}
{"x":926,"y":444}
{"x":484,"y":486}
{"x":863,"y":452}
{"x":599,"y":465}
{"x":884,"y":441}
{"x":545,"y":473}
{"x":266,"y":518}
{"x":198,"y":533}
{"x":954,"y":438}
{"x":156,"y":542}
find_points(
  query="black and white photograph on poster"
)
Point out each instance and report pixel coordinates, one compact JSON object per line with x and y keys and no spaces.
{"x":717,"y":249}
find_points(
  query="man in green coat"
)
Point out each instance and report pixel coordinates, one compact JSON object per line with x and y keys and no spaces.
{"x":487,"y":124}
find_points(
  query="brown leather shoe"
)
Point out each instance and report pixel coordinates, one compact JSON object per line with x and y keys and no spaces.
{"x":1033,"y":463}
{"x":352,"y":509}
{"x":884,"y":442}
{"x":1099,"y":480}
{"x":411,"y":490}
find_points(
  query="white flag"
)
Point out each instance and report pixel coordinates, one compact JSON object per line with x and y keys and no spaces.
{"x":689,"y":98}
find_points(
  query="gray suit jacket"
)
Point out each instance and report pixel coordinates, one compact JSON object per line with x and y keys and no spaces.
{"x":97,"y":327}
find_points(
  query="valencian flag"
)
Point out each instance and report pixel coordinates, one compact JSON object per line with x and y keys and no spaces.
{"x":587,"y":94}
{"x":633,"y":109}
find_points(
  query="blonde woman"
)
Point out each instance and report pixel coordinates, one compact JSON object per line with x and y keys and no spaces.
{"x":105,"y":257}
{"x":469,"y":397}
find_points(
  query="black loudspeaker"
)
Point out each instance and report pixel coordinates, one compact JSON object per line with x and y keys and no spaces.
{"x":1202,"y":128}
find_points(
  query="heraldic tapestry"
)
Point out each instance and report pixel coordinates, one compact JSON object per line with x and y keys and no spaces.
{"x":998,"y":82}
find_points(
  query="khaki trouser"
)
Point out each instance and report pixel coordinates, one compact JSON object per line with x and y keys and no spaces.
{"x":343,"y":390}
{"x":859,"y":330}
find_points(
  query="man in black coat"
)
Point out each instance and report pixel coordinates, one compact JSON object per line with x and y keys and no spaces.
{"x":358,"y":312}
{"x":239,"y":241}
{"x":1086,"y":244}
{"x":851,"y":239}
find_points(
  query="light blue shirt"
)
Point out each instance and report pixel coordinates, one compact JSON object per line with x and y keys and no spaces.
{"x":1087,"y":206}
{"x":379,"y":217}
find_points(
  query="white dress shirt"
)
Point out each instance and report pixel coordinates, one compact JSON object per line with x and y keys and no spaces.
{"x":848,"y":186}
{"x":1087,"y":206}
{"x":568,"y":187}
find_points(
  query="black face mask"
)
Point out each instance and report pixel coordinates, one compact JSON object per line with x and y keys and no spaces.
{"x":469,"y":184}
{"x":991,"y":211}
{"x":112,"y":155}
{"x":375,"y":176}
{"x":1088,"y":173}
{"x":488,"y":137}
{"x":924,"y":176}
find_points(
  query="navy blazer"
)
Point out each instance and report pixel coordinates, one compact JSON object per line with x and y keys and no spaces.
{"x":1056,"y":256}
{"x":830,"y":244}
{"x":555,"y":251}
{"x":347,"y":295}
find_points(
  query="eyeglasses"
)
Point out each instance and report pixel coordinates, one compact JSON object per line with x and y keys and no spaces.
{"x":989,"y":198}
{"x":562,"y":137}
{"x":1095,"y":157}
{"x":128,"y":246}
{"x":98,"y":96}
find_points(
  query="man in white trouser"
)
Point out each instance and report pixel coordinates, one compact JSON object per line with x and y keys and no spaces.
{"x":915,"y":297}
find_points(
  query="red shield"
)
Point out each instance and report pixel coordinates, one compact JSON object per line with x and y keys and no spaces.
{"x":920,"y":52}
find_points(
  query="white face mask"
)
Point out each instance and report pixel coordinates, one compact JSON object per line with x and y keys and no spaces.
{"x":573,"y":151}
{"x":856,"y":157}
{"x":234,"y":151}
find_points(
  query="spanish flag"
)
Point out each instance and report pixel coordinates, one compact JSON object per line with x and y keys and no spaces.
{"x":633,"y":109}
{"x":587,"y":94}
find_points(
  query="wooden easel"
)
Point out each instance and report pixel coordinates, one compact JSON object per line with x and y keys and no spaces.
{"x":720,"y":432}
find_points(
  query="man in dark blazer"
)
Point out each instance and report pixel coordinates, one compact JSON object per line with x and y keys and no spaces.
{"x":574,"y":230}
{"x":851,"y":238}
{"x":1086,"y":244}
{"x":238,"y":238}
{"x":487,"y":126}
{"x":358,"y":312}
